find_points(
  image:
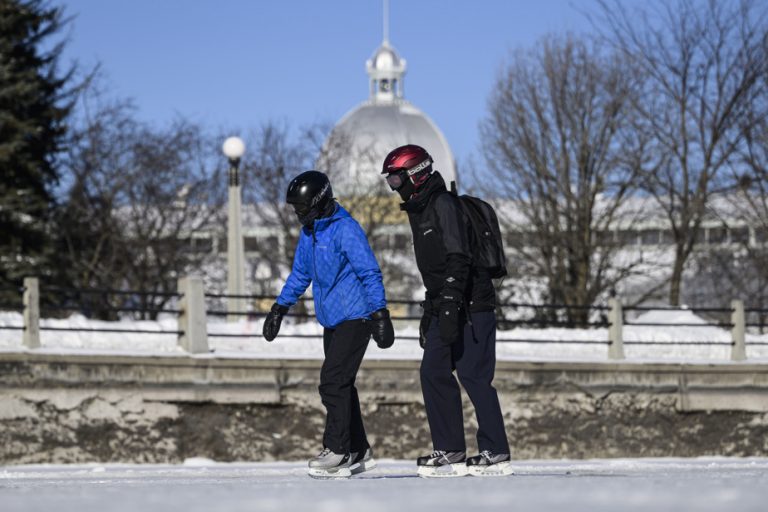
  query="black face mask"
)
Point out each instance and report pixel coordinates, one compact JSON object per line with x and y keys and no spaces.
{"x":305,"y":214}
{"x":308,"y":220}
{"x":308,"y":215}
{"x":406,"y":190}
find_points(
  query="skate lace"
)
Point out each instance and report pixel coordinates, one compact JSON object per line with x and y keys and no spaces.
{"x":323,"y":453}
{"x":437,"y":454}
{"x":487,"y":455}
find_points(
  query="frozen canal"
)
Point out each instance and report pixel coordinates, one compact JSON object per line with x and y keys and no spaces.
{"x":594,"y":485}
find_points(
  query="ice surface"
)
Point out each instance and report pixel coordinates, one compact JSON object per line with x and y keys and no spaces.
{"x":703,"y":484}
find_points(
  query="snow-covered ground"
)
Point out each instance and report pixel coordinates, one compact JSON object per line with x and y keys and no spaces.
{"x":657,"y":343}
{"x":702,"y":485}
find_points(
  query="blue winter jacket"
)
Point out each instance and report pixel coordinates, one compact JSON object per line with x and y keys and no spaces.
{"x":336,"y":258}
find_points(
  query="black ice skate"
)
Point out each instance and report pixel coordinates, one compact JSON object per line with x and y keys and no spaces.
{"x":330,"y":465}
{"x":361,"y":461}
{"x":442,"y":464}
{"x":489,"y":464}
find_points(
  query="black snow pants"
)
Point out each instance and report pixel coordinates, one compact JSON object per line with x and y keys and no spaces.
{"x":474,"y":359}
{"x":344,"y":348}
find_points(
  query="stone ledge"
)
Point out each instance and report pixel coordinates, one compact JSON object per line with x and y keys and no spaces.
{"x":697,"y":387}
{"x":102,"y":407}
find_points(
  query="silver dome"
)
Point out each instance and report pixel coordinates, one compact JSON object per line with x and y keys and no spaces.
{"x":386,"y":59}
{"x":355,"y":150}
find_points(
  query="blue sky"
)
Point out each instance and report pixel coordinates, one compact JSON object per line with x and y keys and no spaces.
{"x":234,"y":64}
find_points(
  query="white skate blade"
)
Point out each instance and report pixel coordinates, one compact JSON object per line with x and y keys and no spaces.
{"x":498,"y":469}
{"x":362,"y":466}
{"x":330,"y":474}
{"x":446,"y":471}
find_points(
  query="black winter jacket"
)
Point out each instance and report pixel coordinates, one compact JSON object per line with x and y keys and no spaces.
{"x":441,"y":242}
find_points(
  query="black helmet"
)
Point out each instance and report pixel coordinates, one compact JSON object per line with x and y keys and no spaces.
{"x":311,"y":195}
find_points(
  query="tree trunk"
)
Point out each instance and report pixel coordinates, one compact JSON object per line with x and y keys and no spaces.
{"x":677,"y":277}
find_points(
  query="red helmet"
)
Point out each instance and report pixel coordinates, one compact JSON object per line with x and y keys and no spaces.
{"x":407,"y":162}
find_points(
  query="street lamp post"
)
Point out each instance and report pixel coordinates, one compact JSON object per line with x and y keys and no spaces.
{"x":233,"y":149}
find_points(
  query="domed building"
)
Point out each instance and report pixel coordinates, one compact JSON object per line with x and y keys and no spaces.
{"x":358,"y":144}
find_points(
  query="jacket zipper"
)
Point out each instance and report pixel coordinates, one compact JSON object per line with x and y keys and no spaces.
{"x":314,"y":270}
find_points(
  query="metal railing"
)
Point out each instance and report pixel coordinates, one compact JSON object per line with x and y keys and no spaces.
{"x":192,"y":313}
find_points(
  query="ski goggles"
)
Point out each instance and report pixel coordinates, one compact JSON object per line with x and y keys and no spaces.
{"x":395,"y":180}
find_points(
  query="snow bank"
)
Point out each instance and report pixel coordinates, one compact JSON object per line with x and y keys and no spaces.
{"x":645,"y":343}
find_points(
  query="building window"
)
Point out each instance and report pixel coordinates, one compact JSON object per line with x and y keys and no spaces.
{"x":650,"y":237}
{"x":627,"y":237}
{"x":202,"y":245}
{"x":250,"y":244}
{"x":740,"y":235}
{"x":718,"y":236}
{"x":603,"y":238}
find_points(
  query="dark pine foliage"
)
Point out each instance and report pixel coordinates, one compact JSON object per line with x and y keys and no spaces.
{"x":34,"y":104}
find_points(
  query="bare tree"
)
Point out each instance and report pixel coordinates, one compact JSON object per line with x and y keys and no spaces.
{"x":740,"y":270}
{"x":751,"y":200}
{"x":703,"y":63}
{"x":559,"y":144}
{"x":272,"y":160}
{"x":138,"y":197}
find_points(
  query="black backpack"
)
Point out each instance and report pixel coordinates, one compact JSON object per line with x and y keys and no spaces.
{"x":487,"y":247}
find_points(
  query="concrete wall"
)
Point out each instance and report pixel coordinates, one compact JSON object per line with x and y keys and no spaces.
{"x":81,"y":408}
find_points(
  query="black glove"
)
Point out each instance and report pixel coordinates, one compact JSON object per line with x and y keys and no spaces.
{"x":426,"y":319}
{"x":273,"y":321}
{"x":448,"y":318}
{"x":381,"y":328}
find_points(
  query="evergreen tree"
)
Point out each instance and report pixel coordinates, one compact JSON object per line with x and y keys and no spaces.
{"x":34,"y":103}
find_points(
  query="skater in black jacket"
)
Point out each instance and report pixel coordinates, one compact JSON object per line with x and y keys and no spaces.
{"x":458,"y":327}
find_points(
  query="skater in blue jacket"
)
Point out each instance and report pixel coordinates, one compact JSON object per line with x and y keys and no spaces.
{"x":333,"y":254}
